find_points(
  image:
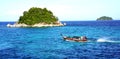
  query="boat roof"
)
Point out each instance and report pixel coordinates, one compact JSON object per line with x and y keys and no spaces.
{"x":76,"y":37}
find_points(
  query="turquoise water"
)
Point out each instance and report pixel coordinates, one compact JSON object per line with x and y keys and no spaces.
{"x":47,"y":43}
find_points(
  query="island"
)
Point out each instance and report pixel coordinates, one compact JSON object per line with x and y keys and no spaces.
{"x":37,"y":17}
{"x":104,"y":18}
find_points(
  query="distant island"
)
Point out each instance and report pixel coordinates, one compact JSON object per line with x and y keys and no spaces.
{"x":37,"y":17}
{"x":104,"y":18}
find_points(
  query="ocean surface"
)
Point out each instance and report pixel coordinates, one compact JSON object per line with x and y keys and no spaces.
{"x":47,"y":43}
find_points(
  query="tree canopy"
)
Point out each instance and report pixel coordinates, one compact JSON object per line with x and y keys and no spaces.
{"x":37,"y":15}
{"x":105,"y":18}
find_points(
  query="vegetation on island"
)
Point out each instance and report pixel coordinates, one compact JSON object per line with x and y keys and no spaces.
{"x":105,"y":18}
{"x":37,"y":15}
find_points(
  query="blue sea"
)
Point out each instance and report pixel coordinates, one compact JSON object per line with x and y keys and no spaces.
{"x":47,"y":43}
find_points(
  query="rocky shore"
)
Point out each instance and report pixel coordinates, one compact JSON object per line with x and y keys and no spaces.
{"x":35,"y":25}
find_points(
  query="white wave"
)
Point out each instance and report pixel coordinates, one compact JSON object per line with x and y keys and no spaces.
{"x":104,"y":40}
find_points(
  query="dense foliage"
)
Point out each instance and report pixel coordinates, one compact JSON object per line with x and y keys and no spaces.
{"x":37,"y":15}
{"x":104,"y":18}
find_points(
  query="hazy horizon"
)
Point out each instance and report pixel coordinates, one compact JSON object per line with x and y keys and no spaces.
{"x":65,"y":10}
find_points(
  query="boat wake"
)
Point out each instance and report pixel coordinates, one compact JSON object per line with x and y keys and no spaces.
{"x":106,"y":40}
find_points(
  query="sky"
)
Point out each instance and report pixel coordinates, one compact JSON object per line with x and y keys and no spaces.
{"x":65,"y":10}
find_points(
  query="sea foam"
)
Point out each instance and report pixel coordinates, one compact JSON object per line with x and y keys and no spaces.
{"x":104,"y":40}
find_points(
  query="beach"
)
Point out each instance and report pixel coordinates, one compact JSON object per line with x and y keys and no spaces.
{"x":35,"y":25}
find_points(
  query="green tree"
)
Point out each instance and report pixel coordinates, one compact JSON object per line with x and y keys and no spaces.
{"x":105,"y":18}
{"x":37,"y":15}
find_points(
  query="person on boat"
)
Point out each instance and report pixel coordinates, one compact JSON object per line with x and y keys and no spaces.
{"x":84,"y":38}
{"x":79,"y":38}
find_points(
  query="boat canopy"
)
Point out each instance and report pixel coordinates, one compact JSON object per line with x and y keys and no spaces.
{"x":77,"y":37}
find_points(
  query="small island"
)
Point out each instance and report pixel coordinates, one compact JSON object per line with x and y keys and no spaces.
{"x":37,"y":17}
{"x":104,"y":18}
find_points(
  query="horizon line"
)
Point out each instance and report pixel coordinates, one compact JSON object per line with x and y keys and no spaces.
{"x":70,"y":20}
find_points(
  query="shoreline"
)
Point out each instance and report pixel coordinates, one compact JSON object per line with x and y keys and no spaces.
{"x":35,"y":25}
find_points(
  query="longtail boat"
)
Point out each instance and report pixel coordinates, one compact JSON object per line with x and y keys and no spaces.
{"x":75,"y":38}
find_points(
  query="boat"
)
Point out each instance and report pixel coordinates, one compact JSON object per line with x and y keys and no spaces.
{"x":75,"y":38}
